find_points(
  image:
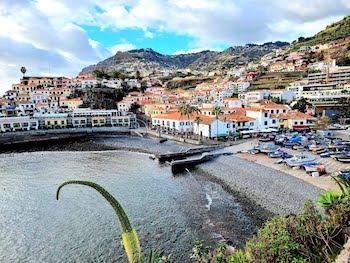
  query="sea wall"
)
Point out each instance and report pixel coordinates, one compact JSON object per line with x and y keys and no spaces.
{"x":40,"y":138}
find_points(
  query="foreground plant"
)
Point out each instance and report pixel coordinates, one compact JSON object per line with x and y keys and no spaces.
{"x":129,"y":236}
{"x":331,"y":198}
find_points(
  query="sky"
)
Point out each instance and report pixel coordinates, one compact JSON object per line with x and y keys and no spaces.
{"x":60,"y":37}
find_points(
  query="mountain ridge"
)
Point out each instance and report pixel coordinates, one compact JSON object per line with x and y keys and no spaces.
{"x":147,"y":58}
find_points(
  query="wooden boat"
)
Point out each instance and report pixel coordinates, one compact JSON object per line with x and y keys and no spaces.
{"x":300,"y":160}
{"x":268,"y":148}
{"x":345,"y":159}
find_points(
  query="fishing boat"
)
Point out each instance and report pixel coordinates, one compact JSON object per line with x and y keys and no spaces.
{"x":343,"y":159}
{"x":310,"y":168}
{"x":325,"y":154}
{"x":280,"y":154}
{"x":300,"y":160}
{"x":276,"y":154}
{"x":279,"y":139}
{"x":268,"y":148}
{"x":264,"y":138}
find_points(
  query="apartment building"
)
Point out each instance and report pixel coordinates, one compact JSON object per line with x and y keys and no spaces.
{"x":97,"y":118}
{"x":12,"y":124}
{"x":338,"y":75}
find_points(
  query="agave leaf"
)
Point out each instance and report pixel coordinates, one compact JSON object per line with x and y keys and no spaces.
{"x":328,"y":199}
{"x":129,"y":236}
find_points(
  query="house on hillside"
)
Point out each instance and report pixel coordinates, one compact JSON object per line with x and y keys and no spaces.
{"x":295,"y":120}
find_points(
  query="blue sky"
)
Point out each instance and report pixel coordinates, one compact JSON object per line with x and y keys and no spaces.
{"x":60,"y":37}
{"x":163,"y":42}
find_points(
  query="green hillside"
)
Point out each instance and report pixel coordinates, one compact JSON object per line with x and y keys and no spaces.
{"x":338,"y":30}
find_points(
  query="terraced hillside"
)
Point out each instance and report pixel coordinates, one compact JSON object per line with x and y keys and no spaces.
{"x":275,"y":80}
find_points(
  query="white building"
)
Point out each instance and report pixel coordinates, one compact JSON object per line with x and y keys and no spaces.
{"x":112,"y":83}
{"x":225,"y":125}
{"x":97,"y":118}
{"x":254,"y":96}
{"x":173,"y":121}
{"x":88,"y":82}
{"x":232,"y":103}
{"x":11,"y":124}
{"x":25,"y":108}
{"x":39,"y":96}
{"x":263,"y":118}
{"x":123,"y":106}
{"x":283,"y":95}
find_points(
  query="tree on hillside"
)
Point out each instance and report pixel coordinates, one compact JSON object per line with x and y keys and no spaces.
{"x":301,"y":105}
{"x":116,"y":74}
{"x":217,"y":112}
{"x":138,"y":75}
{"x":343,"y":61}
{"x":344,"y":111}
{"x":100,"y":74}
{"x":134,"y":107}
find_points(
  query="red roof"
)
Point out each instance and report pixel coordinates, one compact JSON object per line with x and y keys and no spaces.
{"x":236,"y":117}
{"x":294,"y":115}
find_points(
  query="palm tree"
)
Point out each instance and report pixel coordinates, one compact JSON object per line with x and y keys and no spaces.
{"x":23,"y":70}
{"x":198,"y":120}
{"x":187,"y":110}
{"x":217,"y":112}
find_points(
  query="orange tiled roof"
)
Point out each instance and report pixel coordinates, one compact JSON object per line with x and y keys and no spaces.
{"x":205,"y":119}
{"x":171,"y":116}
{"x":236,"y":117}
{"x":294,"y":115}
{"x":254,"y":109}
{"x":274,"y":106}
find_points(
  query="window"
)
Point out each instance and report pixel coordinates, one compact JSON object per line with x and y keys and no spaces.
{"x":295,"y":123}
{"x":174,"y":124}
{"x":265,"y":122}
{"x":277,"y":111}
{"x":265,"y":115}
{"x":228,"y":125}
{"x":301,"y":122}
{"x":272,"y":112}
{"x":273,"y":121}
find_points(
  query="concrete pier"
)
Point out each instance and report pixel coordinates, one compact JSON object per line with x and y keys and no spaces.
{"x":168,"y":157}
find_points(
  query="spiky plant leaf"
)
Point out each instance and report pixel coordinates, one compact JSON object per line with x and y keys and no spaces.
{"x":129,"y":236}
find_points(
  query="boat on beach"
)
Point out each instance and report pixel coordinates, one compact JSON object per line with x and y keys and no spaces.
{"x":300,"y":160}
{"x":268,"y":148}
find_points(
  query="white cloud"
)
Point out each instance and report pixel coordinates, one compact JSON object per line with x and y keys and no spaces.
{"x":50,"y":32}
{"x":42,"y":43}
